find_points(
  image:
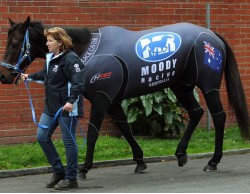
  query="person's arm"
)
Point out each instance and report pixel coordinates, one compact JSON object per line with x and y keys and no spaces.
{"x":33,"y":77}
{"x":76,"y":79}
{"x":75,"y":75}
{"x":37,"y":77}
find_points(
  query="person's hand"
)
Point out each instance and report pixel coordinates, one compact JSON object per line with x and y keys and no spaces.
{"x":24,"y":76}
{"x":68,"y":107}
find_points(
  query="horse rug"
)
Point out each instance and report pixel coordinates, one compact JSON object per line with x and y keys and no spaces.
{"x":146,"y":61}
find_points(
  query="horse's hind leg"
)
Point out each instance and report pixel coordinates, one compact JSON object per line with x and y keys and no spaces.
{"x":100,"y":104}
{"x":116,"y":112}
{"x":185,"y":96}
{"x":219,"y":117}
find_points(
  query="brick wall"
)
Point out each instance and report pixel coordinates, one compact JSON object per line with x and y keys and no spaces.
{"x":230,"y":18}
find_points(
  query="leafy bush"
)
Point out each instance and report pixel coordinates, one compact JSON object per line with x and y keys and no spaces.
{"x":157,"y":114}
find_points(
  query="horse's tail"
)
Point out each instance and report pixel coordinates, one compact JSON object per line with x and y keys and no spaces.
{"x":235,"y":91}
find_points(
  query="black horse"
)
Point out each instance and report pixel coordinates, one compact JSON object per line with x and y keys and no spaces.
{"x":122,"y":64}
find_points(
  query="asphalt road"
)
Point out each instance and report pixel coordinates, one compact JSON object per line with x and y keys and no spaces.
{"x":232,"y":176}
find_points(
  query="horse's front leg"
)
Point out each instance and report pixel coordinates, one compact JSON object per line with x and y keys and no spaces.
{"x":120,"y":120}
{"x":100,"y":103}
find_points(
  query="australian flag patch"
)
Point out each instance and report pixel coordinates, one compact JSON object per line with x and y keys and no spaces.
{"x":212,"y":57}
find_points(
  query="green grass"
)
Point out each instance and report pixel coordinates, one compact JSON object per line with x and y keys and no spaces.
{"x":111,"y":148}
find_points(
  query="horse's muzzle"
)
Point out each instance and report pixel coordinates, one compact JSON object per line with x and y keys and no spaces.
{"x":4,"y":80}
{"x":1,"y":77}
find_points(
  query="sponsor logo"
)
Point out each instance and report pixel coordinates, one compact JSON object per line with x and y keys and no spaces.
{"x":90,"y":50}
{"x":55,"y":68}
{"x":77,"y":68}
{"x":158,"y":73}
{"x":157,"y":46}
{"x":100,"y":76}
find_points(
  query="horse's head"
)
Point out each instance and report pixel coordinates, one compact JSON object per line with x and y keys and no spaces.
{"x":25,"y":43}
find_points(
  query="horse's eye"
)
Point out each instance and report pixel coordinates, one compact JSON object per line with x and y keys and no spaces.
{"x":10,"y":31}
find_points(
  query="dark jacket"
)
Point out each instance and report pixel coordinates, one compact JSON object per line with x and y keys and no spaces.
{"x":63,"y":82}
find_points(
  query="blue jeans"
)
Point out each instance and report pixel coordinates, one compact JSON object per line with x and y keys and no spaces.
{"x":44,"y":139}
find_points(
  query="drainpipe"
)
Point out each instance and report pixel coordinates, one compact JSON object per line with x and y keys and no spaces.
{"x":208,"y":27}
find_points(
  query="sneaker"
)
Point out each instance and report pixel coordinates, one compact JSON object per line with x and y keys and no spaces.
{"x":55,"y":179}
{"x":66,"y":184}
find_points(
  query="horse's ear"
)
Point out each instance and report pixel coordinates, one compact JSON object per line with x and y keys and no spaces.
{"x":25,"y":24}
{"x":11,"y":22}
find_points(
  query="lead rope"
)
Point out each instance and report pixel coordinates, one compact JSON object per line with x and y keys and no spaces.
{"x":58,"y":113}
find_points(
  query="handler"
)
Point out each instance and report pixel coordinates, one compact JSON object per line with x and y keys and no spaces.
{"x":62,"y":76}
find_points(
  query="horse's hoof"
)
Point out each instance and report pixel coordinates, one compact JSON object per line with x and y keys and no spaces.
{"x":81,"y":174}
{"x":140,"y":167}
{"x":182,"y":160}
{"x":209,"y":168}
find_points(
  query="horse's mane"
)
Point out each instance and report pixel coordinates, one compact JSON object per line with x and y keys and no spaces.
{"x":80,"y":35}
{"x":38,"y":27}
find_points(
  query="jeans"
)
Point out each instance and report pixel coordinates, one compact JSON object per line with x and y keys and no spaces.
{"x":44,"y":139}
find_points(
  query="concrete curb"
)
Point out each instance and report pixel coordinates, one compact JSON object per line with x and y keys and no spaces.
{"x":47,"y":169}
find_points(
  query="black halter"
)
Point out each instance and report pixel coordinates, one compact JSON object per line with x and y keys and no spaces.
{"x":23,"y":55}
